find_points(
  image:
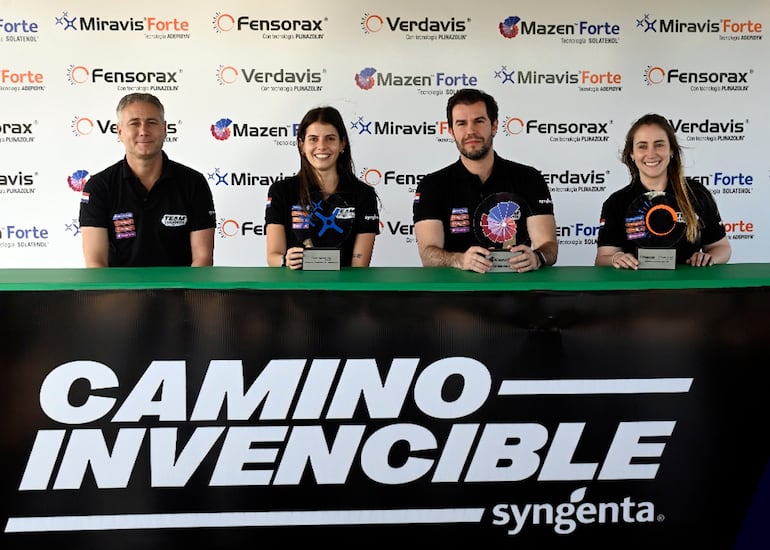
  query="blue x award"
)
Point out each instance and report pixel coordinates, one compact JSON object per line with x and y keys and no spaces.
{"x":498,"y":223}
{"x":654,"y":223}
{"x":322,"y":229}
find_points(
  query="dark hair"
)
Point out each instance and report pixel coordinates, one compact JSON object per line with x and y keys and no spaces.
{"x":468,"y":96}
{"x":675,"y":168}
{"x":140,"y":98}
{"x":345,"y":169}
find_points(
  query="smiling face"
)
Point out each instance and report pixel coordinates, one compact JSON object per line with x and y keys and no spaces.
{"x":472,"y":130}
{"x":321,"y":146}
{"x":651,"y":154}
{"x":142,"y":130}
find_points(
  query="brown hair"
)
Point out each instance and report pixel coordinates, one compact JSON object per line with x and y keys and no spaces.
{"x":306,"y":175}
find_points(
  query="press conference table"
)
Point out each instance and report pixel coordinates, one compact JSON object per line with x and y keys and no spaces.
{"x":562,"y":279}
{"x":171,"y":407}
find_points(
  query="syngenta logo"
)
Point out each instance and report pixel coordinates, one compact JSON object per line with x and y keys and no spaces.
{"x":565,"y":517}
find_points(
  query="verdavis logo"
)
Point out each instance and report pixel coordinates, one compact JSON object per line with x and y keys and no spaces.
{"x":221,"y":129}
{"x":82,"y":126}
{"x":223,"y":22}
{"x":365,"y":78}
{"x":372,"y":23}
{"x":226,"y":74}
{"x":509,"y":27}
{"x":513,"y":126}
{"x":419,"y":29}
{"x":77,"y":180}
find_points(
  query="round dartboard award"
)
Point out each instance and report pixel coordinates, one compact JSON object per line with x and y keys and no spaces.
{"x":655,"y":225}
{"x":498,"y":225}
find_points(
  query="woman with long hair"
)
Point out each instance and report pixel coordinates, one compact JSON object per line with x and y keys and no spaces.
{"x":654,"y":159}
{"x":324,"y":203}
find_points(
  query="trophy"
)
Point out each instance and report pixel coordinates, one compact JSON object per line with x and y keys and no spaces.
{"x":322,"y":229}
{"x":655,"y":225}
{"x":496,"y":223}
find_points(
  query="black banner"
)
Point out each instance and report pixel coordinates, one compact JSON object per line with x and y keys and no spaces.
{"x":166,"y":418}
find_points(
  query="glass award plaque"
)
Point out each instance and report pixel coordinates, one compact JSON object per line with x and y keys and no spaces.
{"x":496,"y":224}
{"x":322,"y":229}
{"x":655,"y":225}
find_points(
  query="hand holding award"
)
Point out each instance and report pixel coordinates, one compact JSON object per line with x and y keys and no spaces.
{"x":497,"y":223}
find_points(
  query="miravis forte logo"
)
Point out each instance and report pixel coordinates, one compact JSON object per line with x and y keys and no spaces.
{"x":725,"y":28}
{"x":584,"y":80}
{"x":222,"y":177}
{"x":150,"y":26}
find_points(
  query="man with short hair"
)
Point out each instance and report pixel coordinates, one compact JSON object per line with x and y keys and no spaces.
{"x":447,"y":202}
{"x":146,"y":210}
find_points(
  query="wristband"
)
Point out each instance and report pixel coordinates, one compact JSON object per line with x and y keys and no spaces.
{"x":543,"y":262}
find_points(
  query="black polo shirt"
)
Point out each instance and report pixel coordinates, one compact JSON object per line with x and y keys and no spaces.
{"x":148,"y":228}
{"x":615,"y":211}
{"x":453,"y":193}
{"x":361,"y":213}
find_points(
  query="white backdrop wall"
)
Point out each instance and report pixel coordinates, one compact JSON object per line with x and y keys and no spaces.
{"x":237,"y":76}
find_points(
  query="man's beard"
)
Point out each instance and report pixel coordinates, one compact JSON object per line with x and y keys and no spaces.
{"x":478,"y":154}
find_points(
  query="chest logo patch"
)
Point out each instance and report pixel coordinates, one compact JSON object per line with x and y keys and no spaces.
{"x":174,"y":220}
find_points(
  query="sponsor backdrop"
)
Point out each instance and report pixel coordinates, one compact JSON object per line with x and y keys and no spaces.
{"x":237,"y":76}
{"x":607,"y":420}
